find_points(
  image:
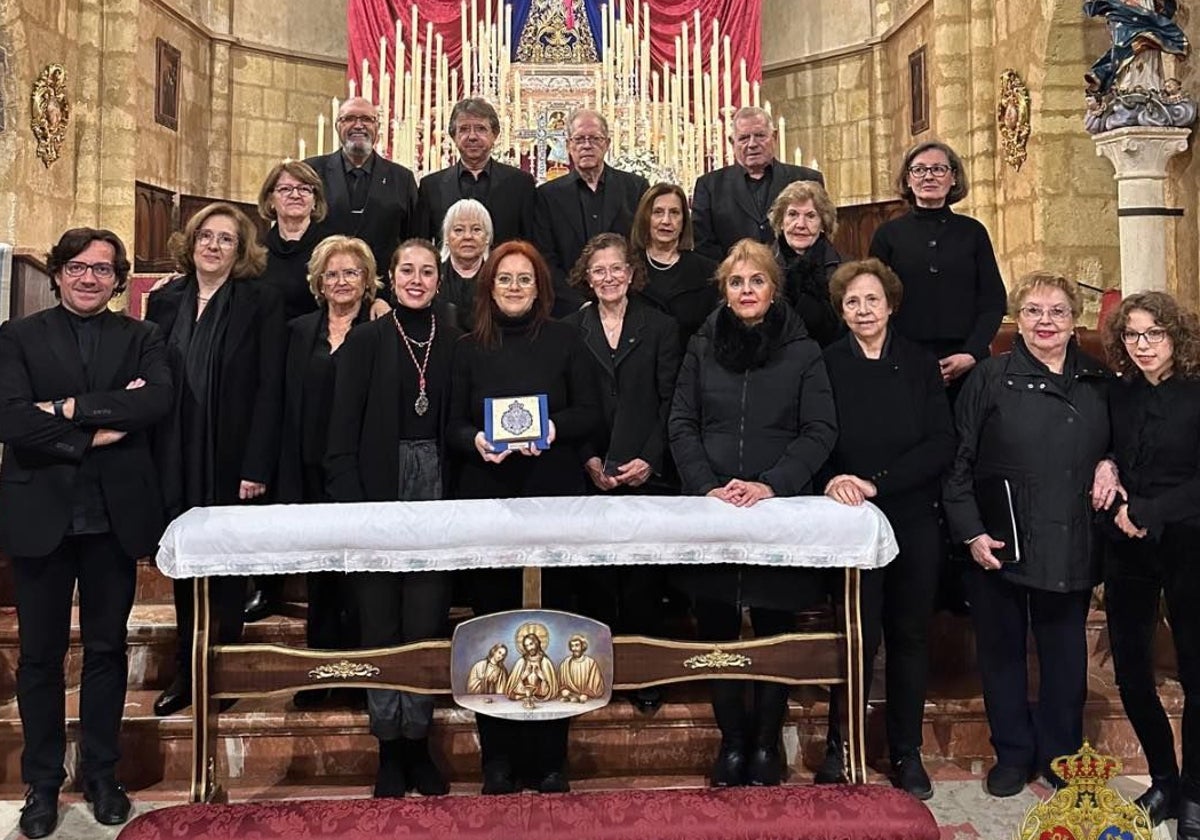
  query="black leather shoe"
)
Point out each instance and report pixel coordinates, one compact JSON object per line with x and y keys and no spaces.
{"x":554,"y":782}
{"x":498,"y":778}
{"x":110,"y":805}
{"x":908,"y":774}
{"x":1003,"y":780}
{"x":177,"y":697}
{"x":833,"y":769}
{"x":765,"y":767}
{"x":390,"y":783}
{"x":39,"y":817}
{"x":1188,"y":827}
{"x":259,"y":606}
{"x":420,"y":772}
{"x":1161,"y":800}
{"x":730,"y":767}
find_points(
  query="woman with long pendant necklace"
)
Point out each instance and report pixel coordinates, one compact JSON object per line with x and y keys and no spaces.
{"x":386,"y":444}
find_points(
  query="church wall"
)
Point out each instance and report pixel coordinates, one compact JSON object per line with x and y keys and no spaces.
{"x":1183,"y":185}
{"x":822,"y":26}
{"x":313,"y":28}
{"x":275,"y":102}
{"x":174,"y":159}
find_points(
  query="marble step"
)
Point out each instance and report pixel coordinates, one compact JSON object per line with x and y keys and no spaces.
{"x":271,"y":741}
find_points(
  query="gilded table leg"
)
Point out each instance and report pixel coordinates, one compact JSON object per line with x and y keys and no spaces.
{"x":204,"y":786}
{"x":854,"y":709}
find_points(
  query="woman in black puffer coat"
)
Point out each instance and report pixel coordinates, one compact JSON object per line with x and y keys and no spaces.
{"x":803,"y":218}
{"x":753,"y":417}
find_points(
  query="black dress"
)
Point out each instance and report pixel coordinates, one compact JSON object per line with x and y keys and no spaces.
{"x":287,"y":268}
{"x":685,"y":291}
{"x":895,"y":430}
{"x":1156,"y":444}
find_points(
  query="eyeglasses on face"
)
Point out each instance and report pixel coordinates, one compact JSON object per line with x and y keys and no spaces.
{"x":1057,"y":313}
{"x":100,"y":270}
{"x":294,"y":189}
{"x":365,"y":119}
{"x":224,"y":241}
{"x":602,"y":272}
{"x":937,"y":170}
{"x":351,"y":274}
{"x":1154,"y":335}
{"x":588,"y":140}
{"x":521,"y":281}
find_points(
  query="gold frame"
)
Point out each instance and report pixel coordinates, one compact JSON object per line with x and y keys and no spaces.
{"x":51,"y":111}
{"x":1012,"y":118}
{"x":166,"y":84}
{"x":918,"y":91}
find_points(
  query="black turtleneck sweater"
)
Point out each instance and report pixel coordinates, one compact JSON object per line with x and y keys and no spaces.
{"x":954,"y":297}
{"x":417,"y":326}
{"x":550,"y":360}
{"x":287,"y":269}
{"x":685,"y":291}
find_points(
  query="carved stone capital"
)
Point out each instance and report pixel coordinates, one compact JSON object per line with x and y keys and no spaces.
{"x":1141,"y":152}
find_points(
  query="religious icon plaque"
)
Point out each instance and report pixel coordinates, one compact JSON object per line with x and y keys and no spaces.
{"x":516,"y":422}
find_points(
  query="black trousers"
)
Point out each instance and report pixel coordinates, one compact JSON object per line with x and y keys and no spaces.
{"x":107,"y":578}
{"x":1136,"y":574}
{"x":393,"y":609}
{"x":1002,"y":614}
{"x":227,"y":599}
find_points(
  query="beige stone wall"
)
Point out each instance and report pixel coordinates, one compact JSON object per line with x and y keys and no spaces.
{"x":814,"y":28}
{"x":244,"y":101}
{"x":275,"y":102}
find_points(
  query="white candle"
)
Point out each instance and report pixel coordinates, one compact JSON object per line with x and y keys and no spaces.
{"x":744,"y":91}
{"x":320,"y":134}
{"x":726,"y":76}
{"x":366,"y":80}
{"x":382,"y":59}
{"x":303,"y":153}
{"x":797,"y":158}
{"x":353,"y":88}
{"x":385,"y":107}
{"x":757,"y":90}
{"x":333,"y":110}
{"x":781,"y":142}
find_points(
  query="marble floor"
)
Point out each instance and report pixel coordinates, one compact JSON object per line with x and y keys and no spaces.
{"x":962,"y":808}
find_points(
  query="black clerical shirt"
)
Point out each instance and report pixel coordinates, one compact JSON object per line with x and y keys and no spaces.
{"x":475,"y":185}
{"x":591,"y":205}
{"x":358,"y":181}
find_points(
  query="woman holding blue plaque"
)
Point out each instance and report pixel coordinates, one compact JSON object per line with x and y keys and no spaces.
{"x":752,"y":353}
{"x":518,"y":355}
{"x":391,"y":391}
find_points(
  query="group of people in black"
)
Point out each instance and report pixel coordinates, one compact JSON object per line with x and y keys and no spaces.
{"x":720,"y":347}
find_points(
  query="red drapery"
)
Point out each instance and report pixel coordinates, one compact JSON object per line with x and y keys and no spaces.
{"x":369,"y":20}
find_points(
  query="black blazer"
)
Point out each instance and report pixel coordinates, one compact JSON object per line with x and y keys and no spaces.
{"x":249,"y":383}
{"x":361,"y":462}
{"x":724,"y":211}
{"x":558,"y":224}
{"x":390,"y":215}
{"x":39,"y":361}
{"x":636,"y":386}
{"x":510,"y":201}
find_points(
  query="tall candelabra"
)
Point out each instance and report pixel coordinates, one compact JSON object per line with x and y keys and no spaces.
{"x":671,"y":122}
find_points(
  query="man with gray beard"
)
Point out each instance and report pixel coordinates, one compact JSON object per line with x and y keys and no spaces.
{"x":369,"y":196}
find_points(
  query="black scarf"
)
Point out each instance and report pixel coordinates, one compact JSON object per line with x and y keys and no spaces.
{"x":739,"y":348}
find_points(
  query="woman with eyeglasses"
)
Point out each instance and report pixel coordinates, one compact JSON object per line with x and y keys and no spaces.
{"x":752,"y":417}
{"x":292,"y":198}
{"x":516,"y":350}
{"x":341,"y":277}
{"x":1154,"y":527}
{"x":954,"y":296}
{"x":1032,"y":429}
{"x":466,"y":240}
{"x":387,"y":443}
{"x":225,"y":337}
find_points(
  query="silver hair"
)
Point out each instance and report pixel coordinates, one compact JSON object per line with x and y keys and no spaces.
{"x":580,"y":113}
{"x":466,"y":207}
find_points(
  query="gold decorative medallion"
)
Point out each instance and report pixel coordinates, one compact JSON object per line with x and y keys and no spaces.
{"x":1012,"y":117}
{"x":51,"y":111}
{"x":1087,"y":808}
{"x":718,"y":659}
{"x":343,"y":670}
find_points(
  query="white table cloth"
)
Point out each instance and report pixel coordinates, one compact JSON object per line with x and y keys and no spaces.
{"x":811,"y":531}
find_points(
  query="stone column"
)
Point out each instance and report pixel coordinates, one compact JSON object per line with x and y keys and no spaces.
{"x":1140,"y":155}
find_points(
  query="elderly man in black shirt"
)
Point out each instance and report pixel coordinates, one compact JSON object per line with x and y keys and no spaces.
{"x":731,"y":203}
{"x":593,"y":199}
{"x":80,"y":387}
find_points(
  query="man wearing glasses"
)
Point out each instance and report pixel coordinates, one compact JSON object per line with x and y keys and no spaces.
{"x":370,"y":197}
{"x":592,"y":199}
{"x":731,"y":203}
{"x":80,"y":387}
